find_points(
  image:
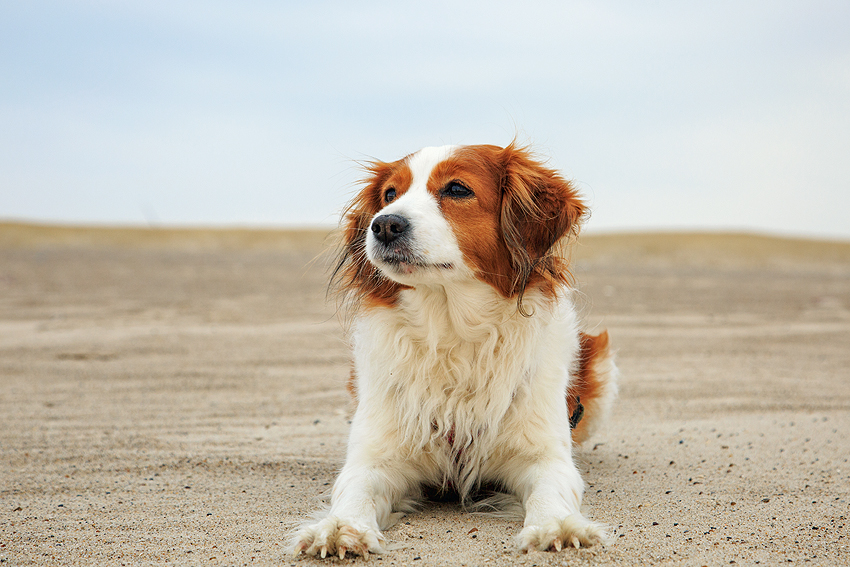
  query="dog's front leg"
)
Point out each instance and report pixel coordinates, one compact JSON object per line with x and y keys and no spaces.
{"x":550,"y":489}
{"x":362,"y":503}
{"x":351,"y":525}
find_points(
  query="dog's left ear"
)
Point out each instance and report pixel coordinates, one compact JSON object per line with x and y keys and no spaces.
{"x":539,"y":208}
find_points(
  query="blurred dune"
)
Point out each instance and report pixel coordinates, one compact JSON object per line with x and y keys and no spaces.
{"x":707,"y":247}
{"x":30,"y":235}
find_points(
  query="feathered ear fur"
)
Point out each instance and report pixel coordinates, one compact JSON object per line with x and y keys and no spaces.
{"x":355,"y":276}
{"x":539,"y":209}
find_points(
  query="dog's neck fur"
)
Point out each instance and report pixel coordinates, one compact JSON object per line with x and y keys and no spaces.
{"x":458,"y":359}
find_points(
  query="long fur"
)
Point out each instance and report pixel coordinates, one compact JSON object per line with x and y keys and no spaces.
{"x":468,"y":358}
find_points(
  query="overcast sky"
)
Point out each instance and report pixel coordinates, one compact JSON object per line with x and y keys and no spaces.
{"x":667,"y":114}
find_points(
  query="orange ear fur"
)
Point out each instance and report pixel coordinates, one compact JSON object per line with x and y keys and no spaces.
{"x":539,"y":209}
{"x":354,"y":277}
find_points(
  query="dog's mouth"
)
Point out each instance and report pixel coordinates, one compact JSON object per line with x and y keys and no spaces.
{"x":406,"y":263}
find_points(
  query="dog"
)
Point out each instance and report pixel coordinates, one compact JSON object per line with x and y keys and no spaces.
{"x":469,"y":368}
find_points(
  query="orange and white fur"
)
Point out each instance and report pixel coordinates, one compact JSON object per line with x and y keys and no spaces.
{"x":468,"y":358}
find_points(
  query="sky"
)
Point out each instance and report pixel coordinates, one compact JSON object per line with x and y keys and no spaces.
{"x":667,"y":115}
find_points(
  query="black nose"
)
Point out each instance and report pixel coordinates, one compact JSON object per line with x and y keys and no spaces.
{"x":389,"y":227}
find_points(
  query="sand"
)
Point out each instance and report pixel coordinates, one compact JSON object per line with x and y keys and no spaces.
{"x":177,"y":397}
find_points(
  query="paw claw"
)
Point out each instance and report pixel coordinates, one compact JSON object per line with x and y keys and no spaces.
{"x":335,"y":537}
{"x":558,"y":533}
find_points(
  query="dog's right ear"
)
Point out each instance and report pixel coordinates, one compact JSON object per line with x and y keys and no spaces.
{"x":355,"y":277}
{"x":365,"y":205}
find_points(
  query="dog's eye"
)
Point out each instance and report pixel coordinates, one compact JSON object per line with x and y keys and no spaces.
{"x":457,"y":191}
{"x":389,"y":195}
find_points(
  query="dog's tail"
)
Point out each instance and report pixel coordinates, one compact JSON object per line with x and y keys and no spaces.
{"x":593,"y":387}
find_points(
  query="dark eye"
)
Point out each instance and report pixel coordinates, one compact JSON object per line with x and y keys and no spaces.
{"x":457,"y":191}
{"x":389,"y":195}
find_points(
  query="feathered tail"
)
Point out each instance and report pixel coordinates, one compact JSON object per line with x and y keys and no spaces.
{"x":593,"y":387}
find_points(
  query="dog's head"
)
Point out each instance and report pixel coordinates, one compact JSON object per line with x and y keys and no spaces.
{"x":454,"y":213}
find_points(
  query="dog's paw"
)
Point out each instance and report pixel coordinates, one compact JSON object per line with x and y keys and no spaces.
{"x":556,"y":534}
{"x":336,"y":536}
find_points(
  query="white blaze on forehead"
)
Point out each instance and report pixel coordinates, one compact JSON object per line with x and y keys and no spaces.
{"x":423,"y":162}
{"x":416,"y":201}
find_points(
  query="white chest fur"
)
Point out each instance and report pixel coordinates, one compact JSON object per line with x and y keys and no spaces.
{"x":446,"y":371}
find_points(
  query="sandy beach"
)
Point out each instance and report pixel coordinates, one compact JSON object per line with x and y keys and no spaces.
{"x":178,"y":397}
